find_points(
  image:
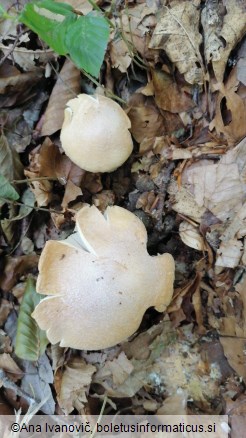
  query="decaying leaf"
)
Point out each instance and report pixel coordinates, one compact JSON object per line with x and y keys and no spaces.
{"x":177,"y":32}
{"x":230,"y":112}
{"x":223,"y":28}
{"x":191,"y":236}
{"x":67,"y":87}
{"x":145,"y":118}
{"x":219,"y":187}
{"x":73,"y":383}
{"x":10,"y":367}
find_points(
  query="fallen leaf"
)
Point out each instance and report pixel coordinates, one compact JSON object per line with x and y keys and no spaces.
{"x":169,"y":96}
{"x":223,"y":28}
{"x":10,"y":367}
{"x":67,"y":87}
{"x":229,"y":254}
{"x":73,"y":384}
{"x":36,"y":382}
{"x":119,"y":55}
{"x":230,"y":112}
{"x":145,"y":118}
{"x":177,"y":32}
{"x":71,"y":193}
{"x":219,"y":187}
{"x":234,"y":350}
{"x":190,"y":236}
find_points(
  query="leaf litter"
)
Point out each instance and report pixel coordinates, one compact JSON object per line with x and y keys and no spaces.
{"x":180,"y":70}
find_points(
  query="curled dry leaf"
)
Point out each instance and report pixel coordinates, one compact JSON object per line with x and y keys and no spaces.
{"x":145,"y":118}
{"x":177,"y":32}
{"x":119,"y":55}
{"x":229,"y":254}
{"x":224,"y":27}
{"x":67,"y":86}
{"x":190,"y":236}
{"x":73,"y":384}
{"x":168,"y":95}
{"x":230,"y":112}
{"x":220,"y":187}
{"x":96,"y":280}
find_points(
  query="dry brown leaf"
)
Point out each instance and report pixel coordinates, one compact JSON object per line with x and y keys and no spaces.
{"x":177,"y":32}
{"x":219,"y":187}
{"x":190,"y":236}
{"x":25,"y":58}
{"x":10,"y":367}
{"x":120,"y":368}
{"x":230,"y":112}
{"x":71,"y":193}
{"x":67,"y":87}
{"x":74,"y":384}
{"x":42,"y":190}
{"x":119,"y":55}
{"x":183,"y":202}
{"x":168,"y":95}
{"x":14,"y":85}
{"x":104,"y":199}
{"x":50,"y":162}
{"x":229,"y":254}
{"x":14,"y":268}
{"x":145,"y":118}
{"x":234,"y":350}
{"x":136,"y":22}
{"x":224,"y":25}
{"x":174,"y":404}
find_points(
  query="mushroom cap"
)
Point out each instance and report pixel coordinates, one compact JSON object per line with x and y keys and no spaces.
{"x":95,"y":133}
{"x":100,"y":281}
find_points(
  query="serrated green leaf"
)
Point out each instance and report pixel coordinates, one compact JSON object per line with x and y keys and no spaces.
{"x":30,"y":341}
{"x":87,"y":41}
{"x":7,"y":191}
{"x":50,"y":21}
{"x":84,"y":38}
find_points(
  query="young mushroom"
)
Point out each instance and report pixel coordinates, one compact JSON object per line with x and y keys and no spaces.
{"x":95,"y":133}
{"x":100,"y":281}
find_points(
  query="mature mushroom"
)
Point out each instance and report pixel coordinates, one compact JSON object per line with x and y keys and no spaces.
{"x":100,"y":281}
{"x":95,"y":133}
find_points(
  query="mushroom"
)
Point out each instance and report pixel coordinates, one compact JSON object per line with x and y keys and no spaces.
{"x":100,"y":281}
{"x":95,"y":133}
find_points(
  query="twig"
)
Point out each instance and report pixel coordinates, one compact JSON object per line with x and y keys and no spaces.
{"x":30,"y":180}
{"x":8,"y":384}
{"x":48,"y":210}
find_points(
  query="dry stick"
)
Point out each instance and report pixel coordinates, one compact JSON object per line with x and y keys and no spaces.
{"x":100,"y":416}
{"x":30,"y":180}
{"x":8,"y":384}
{"x":48,"y":210}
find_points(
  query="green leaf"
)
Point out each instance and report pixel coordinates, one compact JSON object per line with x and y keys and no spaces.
{"x":30,"y":341}
{"x":50,"y":21}
{"x":84,"y":38}
{"x":87,"y":42}
{"x":7,"y":191}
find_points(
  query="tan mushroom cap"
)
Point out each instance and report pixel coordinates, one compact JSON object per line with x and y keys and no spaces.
{"x":100,"y":281}
{"x":95,"y":133}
